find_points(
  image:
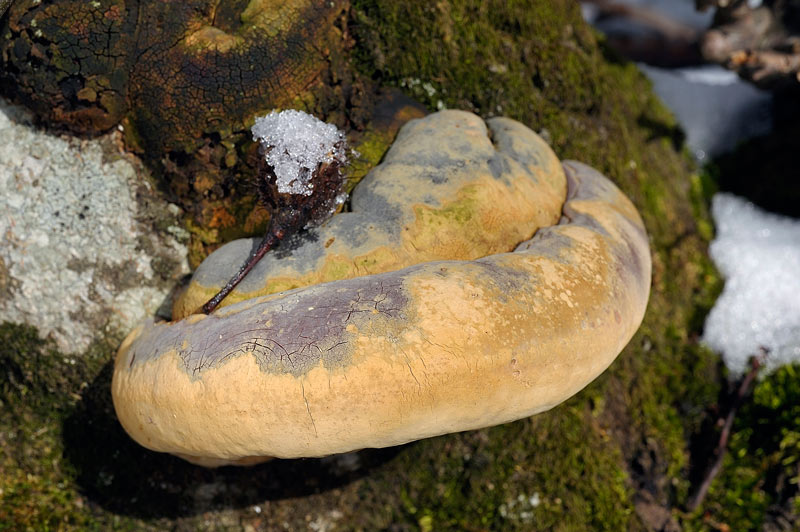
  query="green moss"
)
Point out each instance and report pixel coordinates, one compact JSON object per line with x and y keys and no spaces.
{"x":38,"y":388}
{"x":761,"y":470}
{"x":61,"y":446}
{"x":457,"y":213}
{"x":502,"y":479}
{"x":370,"y":148}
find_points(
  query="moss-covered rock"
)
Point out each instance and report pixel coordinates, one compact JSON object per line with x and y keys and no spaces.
{"x":615,"y":457}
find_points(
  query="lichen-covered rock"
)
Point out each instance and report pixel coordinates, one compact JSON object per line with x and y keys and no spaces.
{"x":79,"y":257}
{"x":451,"y":187}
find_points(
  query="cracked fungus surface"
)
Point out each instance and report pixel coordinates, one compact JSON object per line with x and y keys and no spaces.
{"x":297,"y":333}
{"x":75,"y":256}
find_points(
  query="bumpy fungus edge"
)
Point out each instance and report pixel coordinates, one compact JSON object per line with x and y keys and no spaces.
{"x":381,"y":360}
{"x":450,"y":187}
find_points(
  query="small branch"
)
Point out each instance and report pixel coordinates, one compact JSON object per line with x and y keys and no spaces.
{"x":267,"y":243}
{"x":756,"y":363}
{"x":281,"y":224}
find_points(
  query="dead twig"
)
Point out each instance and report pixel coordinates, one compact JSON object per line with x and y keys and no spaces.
{"x":668,"y":42}
{"x":756,"y":364}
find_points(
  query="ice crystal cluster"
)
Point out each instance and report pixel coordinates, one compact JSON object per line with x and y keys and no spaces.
{"x":758,"y":253}
{"x":296,"y":143}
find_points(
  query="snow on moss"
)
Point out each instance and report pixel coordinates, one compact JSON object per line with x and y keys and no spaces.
{"x":296,"y":144}
{"x":758,"y":253}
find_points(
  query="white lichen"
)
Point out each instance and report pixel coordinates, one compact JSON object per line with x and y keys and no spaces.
{"x":77,"y":253}
{"x":296,"y":144}
{"x":520,"y":508}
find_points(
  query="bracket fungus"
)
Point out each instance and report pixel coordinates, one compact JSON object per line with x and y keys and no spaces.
{"x":419,"y":313}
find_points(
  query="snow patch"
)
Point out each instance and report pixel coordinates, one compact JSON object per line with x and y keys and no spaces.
{"x":758,"y":254}
{"x":710,"y":75}
{"x":716,"y":109}
{"x":297,"y":143}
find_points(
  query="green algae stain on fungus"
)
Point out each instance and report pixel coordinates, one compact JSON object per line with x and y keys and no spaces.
{"x":456,"y":214}
{"x":335,"y":267}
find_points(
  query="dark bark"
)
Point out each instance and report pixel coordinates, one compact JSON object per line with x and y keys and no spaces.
{"x":762,"y":44}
